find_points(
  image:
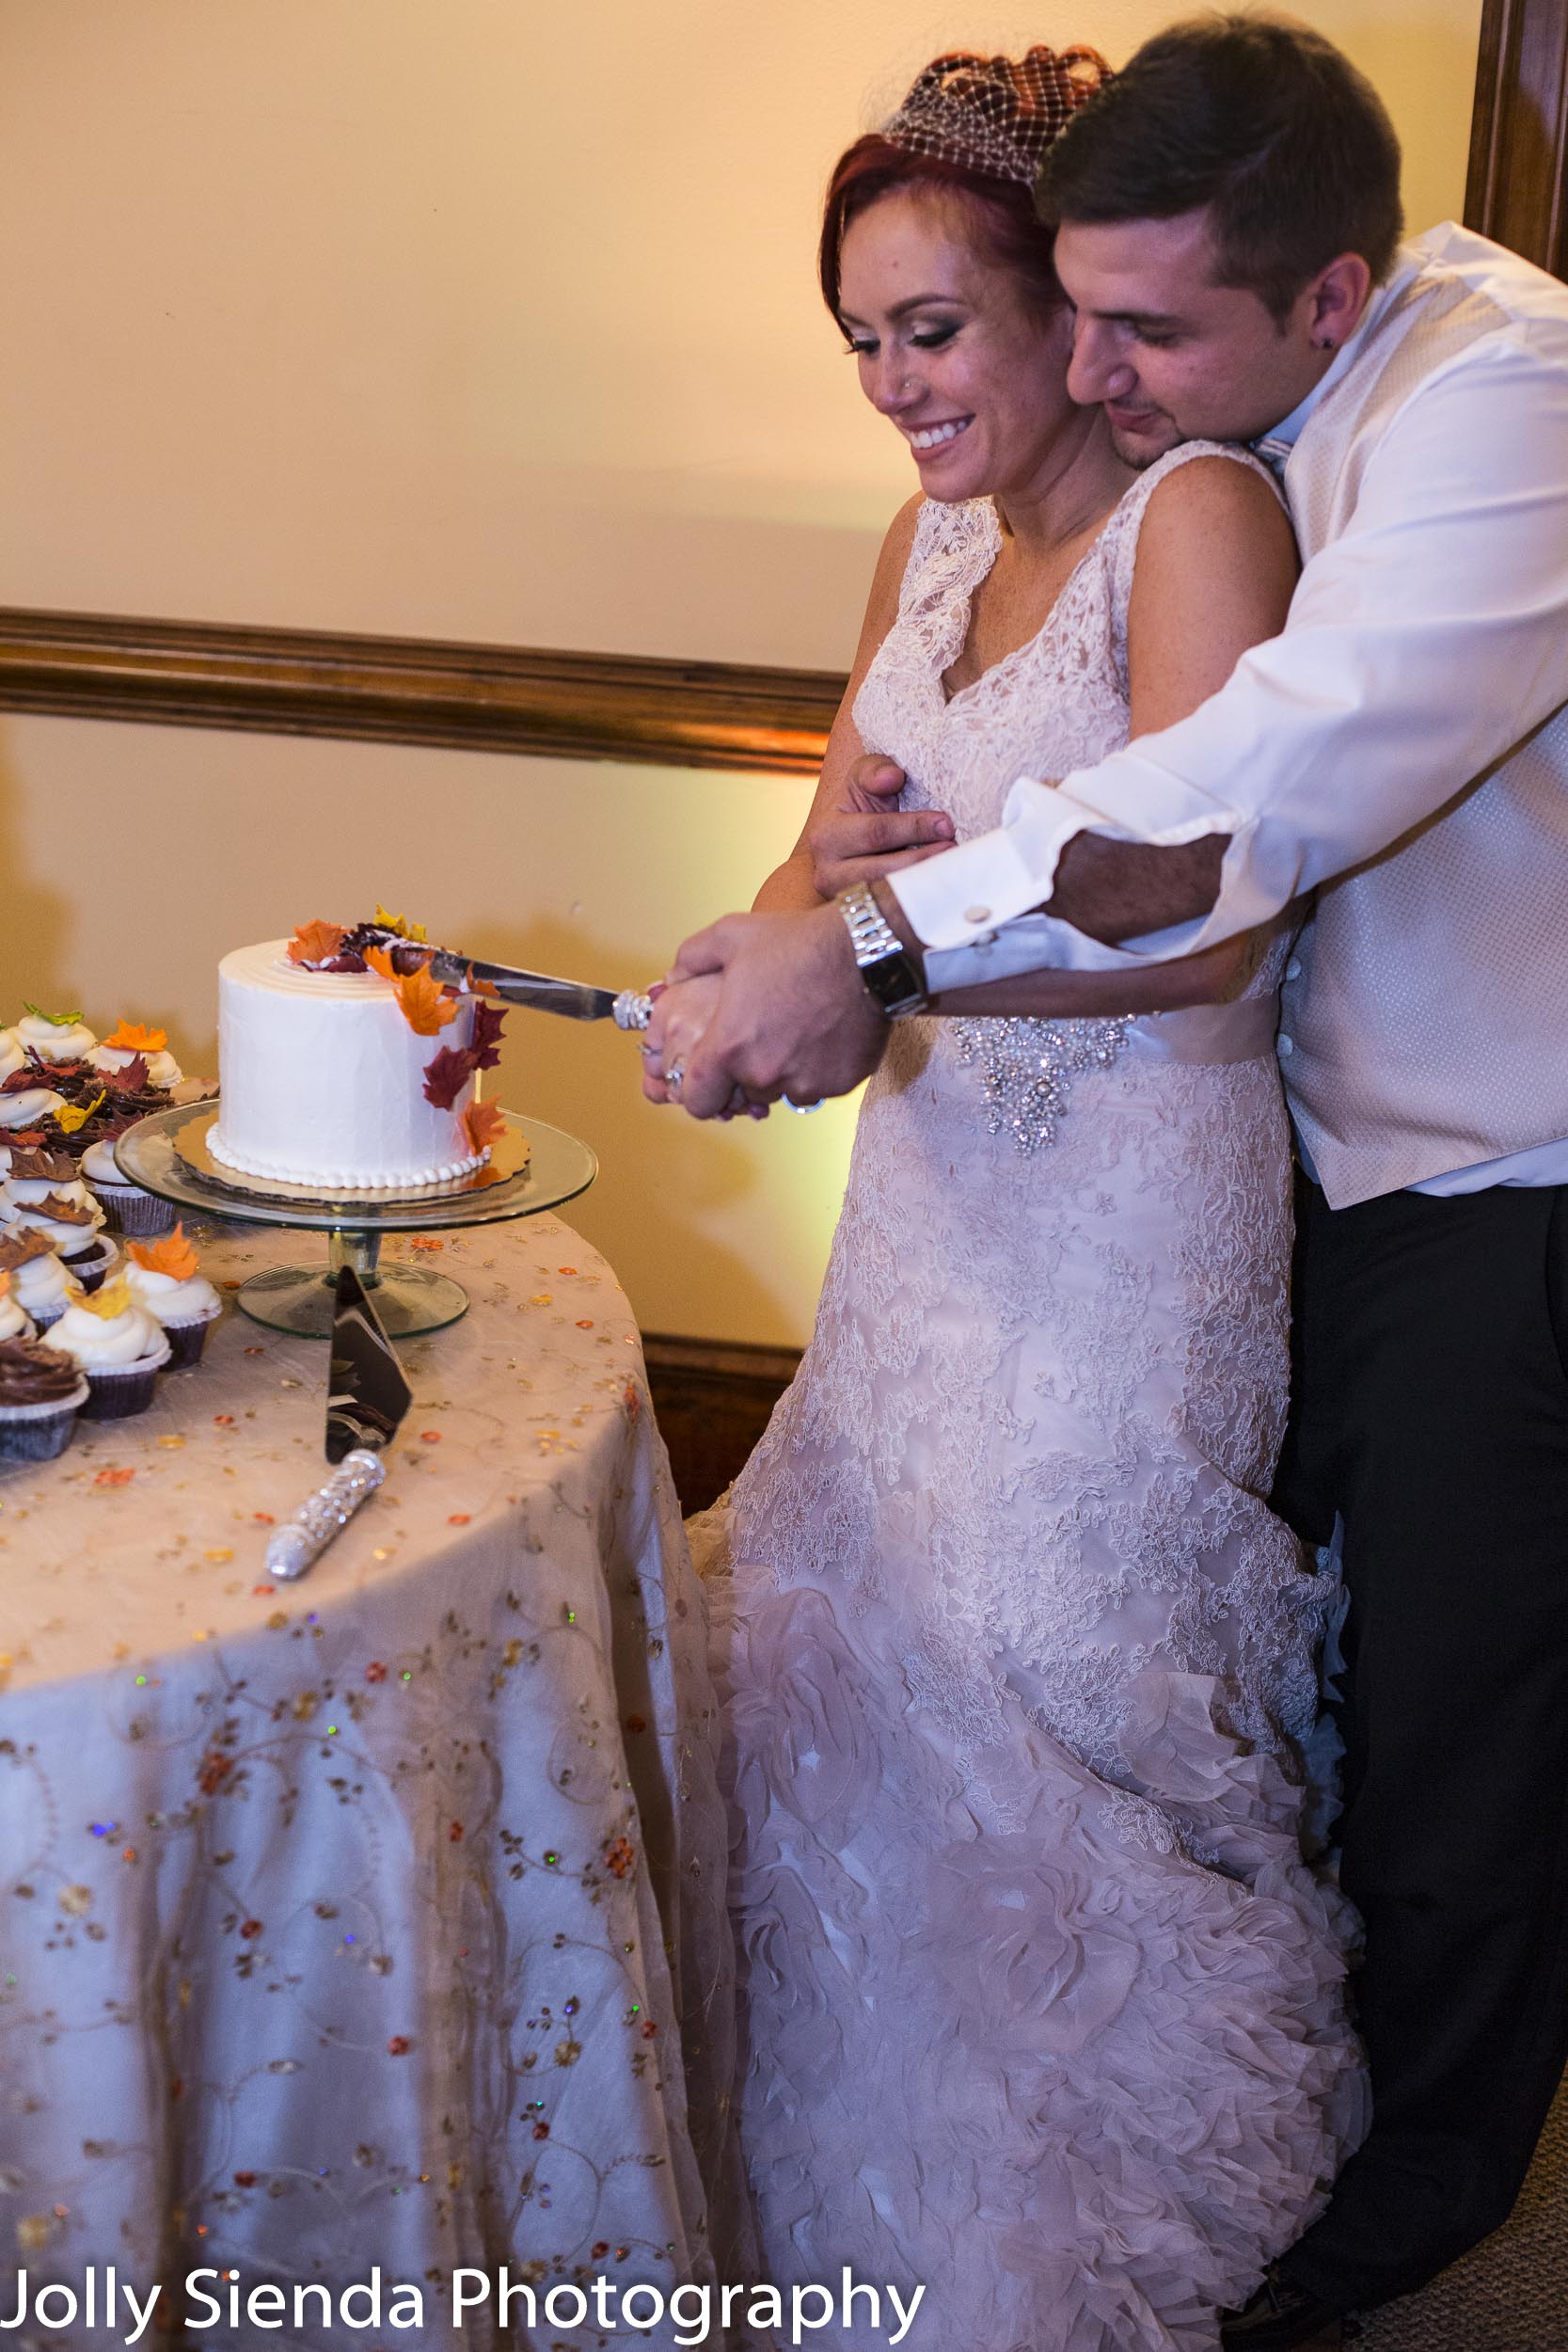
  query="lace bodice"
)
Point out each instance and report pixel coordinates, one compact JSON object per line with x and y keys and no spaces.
{"x":1058,"y":703}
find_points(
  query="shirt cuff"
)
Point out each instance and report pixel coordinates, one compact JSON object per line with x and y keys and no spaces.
{"x":961,"y":898}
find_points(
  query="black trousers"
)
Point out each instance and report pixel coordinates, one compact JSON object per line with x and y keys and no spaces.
{"x":1431,"y":1410}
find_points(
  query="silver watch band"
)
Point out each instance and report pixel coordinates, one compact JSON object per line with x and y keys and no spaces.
{"x":890,"y":974}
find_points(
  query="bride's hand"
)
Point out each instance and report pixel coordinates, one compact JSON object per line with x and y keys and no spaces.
{"x":681,"y":1014}
{"x":866,"y":835}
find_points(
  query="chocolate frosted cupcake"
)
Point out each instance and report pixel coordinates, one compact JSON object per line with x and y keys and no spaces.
{"x":118,"y":1346}
{"x":42,"y":1392}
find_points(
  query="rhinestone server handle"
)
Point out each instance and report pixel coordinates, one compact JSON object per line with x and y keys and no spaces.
{"x":633,"y":1011}
{"x":295,"y":1548}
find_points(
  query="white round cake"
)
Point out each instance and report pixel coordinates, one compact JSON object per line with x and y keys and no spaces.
{"x":322,"y":1080}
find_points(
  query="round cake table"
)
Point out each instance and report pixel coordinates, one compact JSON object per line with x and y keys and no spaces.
{"x":350,"y":1927}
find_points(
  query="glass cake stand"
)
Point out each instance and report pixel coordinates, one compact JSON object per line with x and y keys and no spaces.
{"x":530,"y":1169}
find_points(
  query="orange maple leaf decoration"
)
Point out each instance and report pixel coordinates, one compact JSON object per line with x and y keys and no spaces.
{"x":483,"y":1124}
{"x":380,"y":963}
{"x":312,"y":942}
{"x":425,"y":1004}
{"x":172,"y":1254}
{"x":131,"y":1038}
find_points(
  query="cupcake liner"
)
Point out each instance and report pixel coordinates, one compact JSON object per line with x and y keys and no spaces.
{"x":45,"y":1317}
{"x":122,"y":1389}
{"x":138,"y":1213}
{"x":186,"y":1340}
{"x":90,"y":1269}
{"x":39,"y":1433}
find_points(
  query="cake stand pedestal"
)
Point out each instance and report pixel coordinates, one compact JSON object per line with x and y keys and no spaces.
{"x":530,"y":1169}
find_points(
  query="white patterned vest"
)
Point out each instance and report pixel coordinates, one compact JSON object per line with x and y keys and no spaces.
{"x":1425,"y":1012}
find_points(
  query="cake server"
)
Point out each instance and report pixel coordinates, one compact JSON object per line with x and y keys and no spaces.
{"x":368,"y":1394}
{"x":540,"y":991}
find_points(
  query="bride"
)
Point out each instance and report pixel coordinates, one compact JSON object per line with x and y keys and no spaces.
{"x":1042,"y":2008}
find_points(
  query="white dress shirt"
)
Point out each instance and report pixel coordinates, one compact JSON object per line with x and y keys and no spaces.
{"x":1402,"y":747}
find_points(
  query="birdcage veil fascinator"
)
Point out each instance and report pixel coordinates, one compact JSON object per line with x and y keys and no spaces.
{"x":995,"y":115}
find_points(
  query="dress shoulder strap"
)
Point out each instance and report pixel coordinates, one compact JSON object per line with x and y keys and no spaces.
{"x":954,"y":544}
{"x":1120,"y":540}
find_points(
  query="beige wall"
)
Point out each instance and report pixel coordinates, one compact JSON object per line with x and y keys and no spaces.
{"x":467,"y":318}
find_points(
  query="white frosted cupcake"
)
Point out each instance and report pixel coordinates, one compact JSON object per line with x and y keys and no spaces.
{"x":33,"y":1175}
{"x":37,"y":1278}
{"x":11,"y":1054}
{"x":85,"y":1253}
{"x":119,"y":1346}
{"x":130,"y":1043}
{"x":166,"y":1276}
{"x":28,"y":1105}
{"x":65,"y":1039}
{"x":15,"y":1322}
{"x":126,"y":1207}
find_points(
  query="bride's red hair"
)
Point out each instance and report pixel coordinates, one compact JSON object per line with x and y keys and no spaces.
{"x":1012,"y":231}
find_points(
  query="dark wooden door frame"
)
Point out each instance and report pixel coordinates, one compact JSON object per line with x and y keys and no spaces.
{"x":672,"y":714}
{"x":1517,"y":190}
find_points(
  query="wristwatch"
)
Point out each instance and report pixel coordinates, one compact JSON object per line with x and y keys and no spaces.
{"x":891,"y":973}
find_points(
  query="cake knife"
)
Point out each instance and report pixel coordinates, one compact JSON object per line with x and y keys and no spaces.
{"x":539,"y":992}
{"x":368,"y":1394}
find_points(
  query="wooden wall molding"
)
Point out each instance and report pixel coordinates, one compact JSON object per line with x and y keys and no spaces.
{"x":1517,"y":190}
{"x":404,"y":690}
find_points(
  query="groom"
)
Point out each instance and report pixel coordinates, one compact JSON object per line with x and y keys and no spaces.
{"x":1401,"y":750}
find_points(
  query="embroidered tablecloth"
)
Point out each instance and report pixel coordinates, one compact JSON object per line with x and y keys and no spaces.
{"x":341,"y":1924}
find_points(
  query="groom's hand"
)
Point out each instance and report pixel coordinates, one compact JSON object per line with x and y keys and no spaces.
{"x":792,"y":1016}
{"x":867,"y":835}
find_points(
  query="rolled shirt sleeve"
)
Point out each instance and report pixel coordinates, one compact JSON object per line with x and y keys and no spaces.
{"x":1423,"y":642}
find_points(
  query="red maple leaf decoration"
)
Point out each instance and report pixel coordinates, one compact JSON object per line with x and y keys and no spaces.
{"x":484,"y":1044}
{"x":446,"y":1074}
{"x":132,"y":1079}
{"x":23,"y":1080}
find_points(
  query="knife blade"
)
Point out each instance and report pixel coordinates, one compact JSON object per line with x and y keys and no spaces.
{"x":368,"y":1394}
{"x":539,"y":992}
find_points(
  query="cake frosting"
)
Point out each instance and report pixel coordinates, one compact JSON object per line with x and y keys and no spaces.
{"x":110,"y":1333}
{"x":323,"y":1079}
{"x":65,"y":1039}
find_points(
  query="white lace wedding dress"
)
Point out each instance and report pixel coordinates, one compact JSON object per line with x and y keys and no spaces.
{"x":1042,"y":2009}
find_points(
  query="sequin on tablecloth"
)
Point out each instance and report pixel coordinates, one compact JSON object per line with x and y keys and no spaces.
{"x":347,"y":1923}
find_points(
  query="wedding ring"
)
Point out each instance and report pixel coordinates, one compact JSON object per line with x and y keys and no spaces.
{"x":649,"y":1051}
{"x":672,"y":1077}
{"x":802,"y":1108}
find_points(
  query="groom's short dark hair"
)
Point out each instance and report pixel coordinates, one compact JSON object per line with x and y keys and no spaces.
{"x":1260,"y":118}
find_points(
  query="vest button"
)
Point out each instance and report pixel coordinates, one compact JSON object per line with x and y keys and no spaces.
{"x":1292,"y":970}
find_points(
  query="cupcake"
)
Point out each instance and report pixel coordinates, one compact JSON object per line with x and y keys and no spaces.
{"x":11,"y":1054}
{"x":26,"y":1096}
{"x":15,"y":1322}
{"x":39,"y":1282}
{"x":130,"y":1043}
{"x":42,"y":1390}
{"x":34,"y":1174}
{"x":166,"y":1276}
{"x":86,"y":1252}
{"x":118,"y":1346}
{"x":54,"y":1037}
{"x":126,"y":1207}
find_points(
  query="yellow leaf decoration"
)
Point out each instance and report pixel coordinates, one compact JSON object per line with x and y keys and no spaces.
{"x":131,"y":1038}
{"x":426,"y":1006}
{"x":73,"y":1115}
{"x":172,"y":1254}
{"x":113,"y":1299}
{"x":400,"y":923}
{"x":483,"y":1124}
